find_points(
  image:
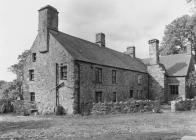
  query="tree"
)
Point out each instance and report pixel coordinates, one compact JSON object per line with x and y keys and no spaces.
{"x":18,"y":67}
{"x":13,"y":89}
{"x":179,"y":34}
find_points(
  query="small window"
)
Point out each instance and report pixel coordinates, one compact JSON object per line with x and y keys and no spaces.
{"x":131,"y":94}
{"x":33,"y":57}
{"x":32,"y":96}
{"x":139,"y":79}
{"x":113,"y":76}
{"x":98,"y":97}
{"x":174,"y":89}
{"x":114,"y":97}
{"x":98,"y":75}
{"x":31,"y":75}
{"x":64,"y":73}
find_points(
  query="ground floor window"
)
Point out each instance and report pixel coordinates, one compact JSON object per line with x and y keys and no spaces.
{"x":114,"y":97}
{"x":32,"y":96}
{"x":173,"y":89}
{"x":98,"y":97}
{"x":131,"y":94}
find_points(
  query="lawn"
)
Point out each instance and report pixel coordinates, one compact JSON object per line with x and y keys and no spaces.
{"x":137,"y":126}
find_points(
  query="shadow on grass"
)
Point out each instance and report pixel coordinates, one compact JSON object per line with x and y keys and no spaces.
{"x":7,"y":126}
{"x":140,"y":136}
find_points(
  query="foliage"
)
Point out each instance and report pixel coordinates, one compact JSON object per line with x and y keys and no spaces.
{"x":18,"y":67}
{"x":12,"y":90}
{"x":191,"y":81}
{"x":179,"y":34}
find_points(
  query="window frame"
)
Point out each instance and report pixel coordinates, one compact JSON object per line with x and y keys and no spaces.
{"x":174,"y":89}
{"x":98,"y":97}
{"x":114,"y":76}
{"x":34,"y":57}
{"x":131,"y":93}
{"x":31,"y":75}
{"x":98,"y":75}
{"x":63,"y":74}
{"x":32,"y":98}
{"x":139,"y":79}
{"x":114,"y":96}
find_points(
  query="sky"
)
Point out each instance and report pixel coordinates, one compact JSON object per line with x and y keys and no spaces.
{"x":124,"y":22}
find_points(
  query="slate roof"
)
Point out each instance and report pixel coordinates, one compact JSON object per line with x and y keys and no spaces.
{"x":175,"y":65}
{"x":90,"y":52}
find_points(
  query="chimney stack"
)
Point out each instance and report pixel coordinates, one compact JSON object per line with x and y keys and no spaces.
{"x":154,"y":51}
{"x":131,"y":51}
{"x":48,"y":18}
{"x":189,"y":49}
{"x":100,"y":39}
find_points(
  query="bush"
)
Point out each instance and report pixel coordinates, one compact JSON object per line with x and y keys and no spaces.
{"x":59,"y":110}
{"x":184,"y":105}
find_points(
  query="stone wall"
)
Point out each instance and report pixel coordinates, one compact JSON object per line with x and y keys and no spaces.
{"x":157,"y":82}
{"x":126,"y":81}
{"x":44,"y":83}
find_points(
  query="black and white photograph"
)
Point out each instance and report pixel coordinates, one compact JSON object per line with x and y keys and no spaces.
{"x":98,"y":70}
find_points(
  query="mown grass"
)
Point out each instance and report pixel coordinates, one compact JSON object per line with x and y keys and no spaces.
{"x":138,"y":126}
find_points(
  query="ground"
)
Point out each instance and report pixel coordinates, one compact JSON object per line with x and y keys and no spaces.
{"x":137,"y":126}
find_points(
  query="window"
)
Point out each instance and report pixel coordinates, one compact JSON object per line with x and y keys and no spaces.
{"x":114,"y":97}
{"x":32,"y":96}
{"x":98,"y":75}
{"x":174,"y":89}
{"x":113,"y":76}
{"x":31,"y":75}
{"x":139,"y":79}
{"x":33,"y":57}
{"x":131,"y":94}
{"x":98,"y":97}
{"x":64,"y":73}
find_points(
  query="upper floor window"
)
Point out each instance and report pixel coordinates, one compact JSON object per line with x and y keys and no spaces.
{"x":113,"y":76}
{"x":32,"y":96}
{"x":33,"y":57}
{"x":139,"y":79}
{"x":63,"y":72}
{"x":98,"y":75}
{"x":31,"y":75}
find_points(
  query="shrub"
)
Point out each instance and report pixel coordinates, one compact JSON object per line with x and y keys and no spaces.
{"x":59,"y":110}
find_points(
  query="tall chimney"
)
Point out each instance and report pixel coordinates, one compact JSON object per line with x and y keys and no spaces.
{"x":131,"y":51}
{"x":154,"y":51}
{"x":100,"y":39}
{"x":48,"y":19}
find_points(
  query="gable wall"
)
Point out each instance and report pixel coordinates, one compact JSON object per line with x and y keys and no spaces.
{"x":45,"y":77}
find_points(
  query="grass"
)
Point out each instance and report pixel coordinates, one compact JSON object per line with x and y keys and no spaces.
{"x":138,"y":126}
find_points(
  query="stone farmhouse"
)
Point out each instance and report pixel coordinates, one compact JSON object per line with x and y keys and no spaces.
{"x":74,"y":73}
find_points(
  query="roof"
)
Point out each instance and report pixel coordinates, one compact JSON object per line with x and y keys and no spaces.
{"x":175,"y":65}
{"x":91,"y":52}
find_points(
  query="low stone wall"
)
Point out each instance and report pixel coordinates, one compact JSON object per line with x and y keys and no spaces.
{"x":23,"y":107}
{"x":130,"y":106}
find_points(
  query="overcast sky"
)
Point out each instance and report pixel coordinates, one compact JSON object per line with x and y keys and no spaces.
{"x":124,"y":22}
